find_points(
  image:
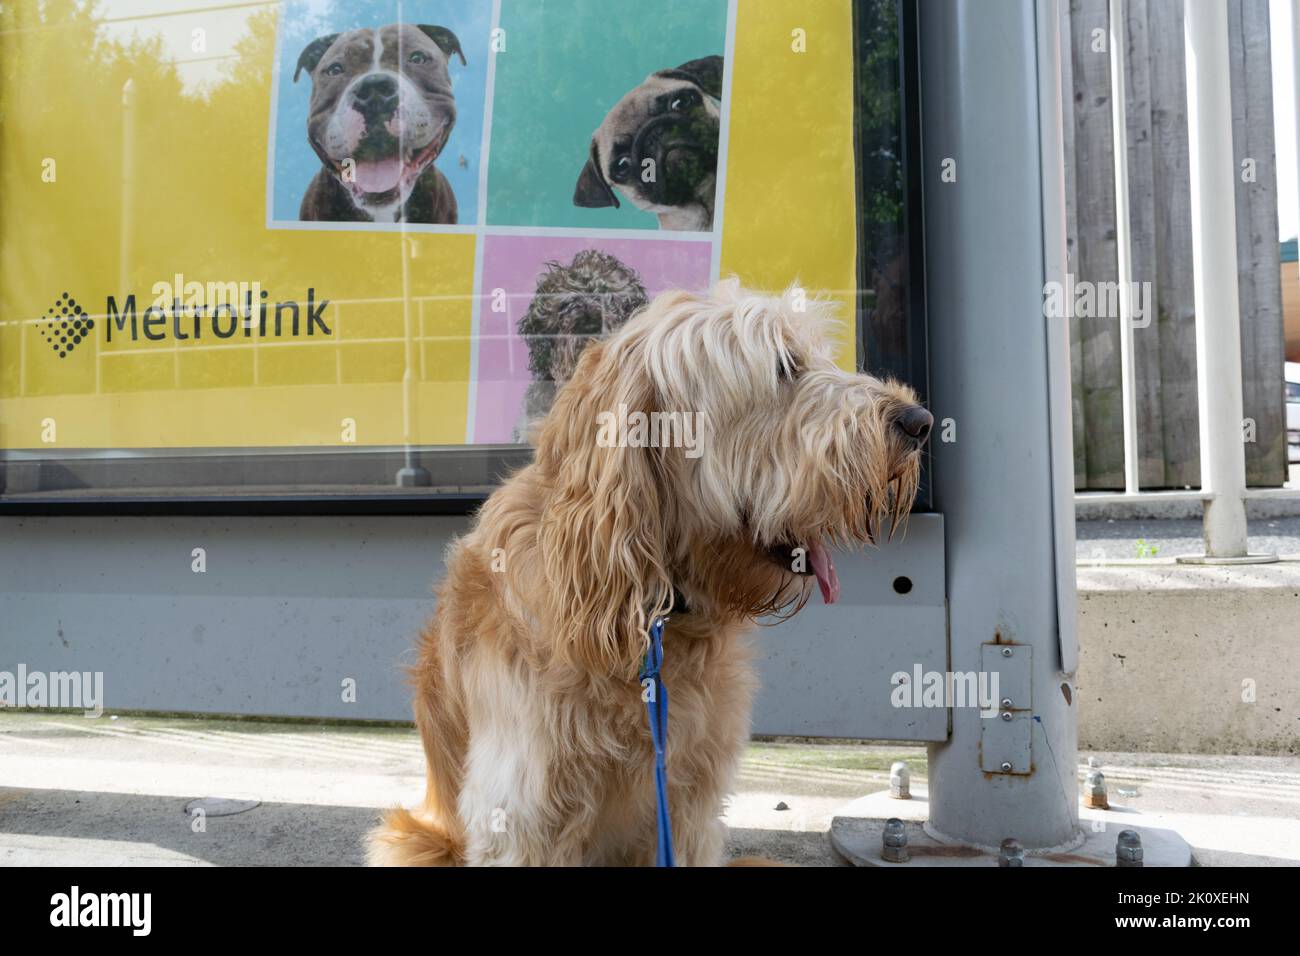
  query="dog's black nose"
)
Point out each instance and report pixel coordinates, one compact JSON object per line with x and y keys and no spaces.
{"x":915,"y":422}
{"x":376,"y":93}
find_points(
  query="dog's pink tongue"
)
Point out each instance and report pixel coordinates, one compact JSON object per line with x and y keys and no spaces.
{"x":379,"y":177}
{"x":820,"y":559}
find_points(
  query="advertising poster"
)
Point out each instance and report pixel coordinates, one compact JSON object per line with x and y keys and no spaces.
{"x":390,"y":223}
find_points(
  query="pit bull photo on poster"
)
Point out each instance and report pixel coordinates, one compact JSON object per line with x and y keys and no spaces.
{"x":382,"y":109}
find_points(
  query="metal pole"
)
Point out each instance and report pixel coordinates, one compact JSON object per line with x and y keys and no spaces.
{"x":1053,"y":53}
{"x":126,"y":220}
{"x":1295,"y":78}
{"x":411,"y":474}
{"x":1124,"y":242}
{"x":1006,"y":778}
{"x":1010,"y":774}
{"x":1214,"y":264}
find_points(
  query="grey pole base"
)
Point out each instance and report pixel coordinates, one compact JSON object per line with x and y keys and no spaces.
{"x":1240,"y":559}
{"x":409,"y":477}
{"x":857,"y":829}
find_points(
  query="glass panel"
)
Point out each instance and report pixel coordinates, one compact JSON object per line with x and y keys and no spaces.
{"x":880,"y":175}
{"x":353,"y":248}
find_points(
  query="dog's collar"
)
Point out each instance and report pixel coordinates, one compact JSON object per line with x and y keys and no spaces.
{"x":679,"y":605}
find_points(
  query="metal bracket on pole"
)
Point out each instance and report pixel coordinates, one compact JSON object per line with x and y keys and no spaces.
{"x":1006,"y":738}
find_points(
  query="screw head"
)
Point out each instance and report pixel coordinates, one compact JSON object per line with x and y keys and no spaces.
{"x":1007,"y":715}
{"x":1006,"y":652}
{"x":1006,"y":766}
{"x":1006,"y":703}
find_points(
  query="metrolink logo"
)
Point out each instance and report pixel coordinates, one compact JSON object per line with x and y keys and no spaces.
{"x":64,"y":325}
{"x":187,"y":311}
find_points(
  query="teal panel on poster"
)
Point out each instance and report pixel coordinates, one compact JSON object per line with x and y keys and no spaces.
{"x":563,"y":68}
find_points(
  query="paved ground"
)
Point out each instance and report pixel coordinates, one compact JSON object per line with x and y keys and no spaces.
{"x":1110,"y":539}
{"x":114,"y":792}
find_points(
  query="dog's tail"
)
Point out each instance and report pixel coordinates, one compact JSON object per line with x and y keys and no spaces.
{"x":405,"y":839}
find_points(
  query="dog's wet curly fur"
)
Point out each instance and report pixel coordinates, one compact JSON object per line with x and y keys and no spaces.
{"x":526,"y":690}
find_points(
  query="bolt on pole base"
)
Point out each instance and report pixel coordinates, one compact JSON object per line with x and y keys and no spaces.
{"x":877,"y":830}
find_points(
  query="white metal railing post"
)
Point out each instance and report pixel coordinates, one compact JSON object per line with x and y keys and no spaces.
{"x":1295,"y":76}
{"x":1214,"y":264}
{"x":1124,"y":245}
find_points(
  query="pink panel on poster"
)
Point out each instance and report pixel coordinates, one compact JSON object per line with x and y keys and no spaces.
{"x":513,"y":264}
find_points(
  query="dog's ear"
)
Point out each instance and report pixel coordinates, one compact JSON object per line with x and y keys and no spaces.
{"x":706,"y":73}
{"x":602,"y":528}
{"x":593,"y":191}
{"x":309,"y":57}
{"x":447,"y":41}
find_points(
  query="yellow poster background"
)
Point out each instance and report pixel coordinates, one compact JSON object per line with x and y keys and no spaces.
{"x":790,"y":202}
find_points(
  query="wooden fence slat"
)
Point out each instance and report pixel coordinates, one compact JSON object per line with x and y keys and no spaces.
{"x":1176,"y":315}
{"x":1259,"y":274}
{"x":1096,"y":245}
{"x":1142,"y":224}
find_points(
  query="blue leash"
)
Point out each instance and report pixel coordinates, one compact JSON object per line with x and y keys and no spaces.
{"x":657,"y":711}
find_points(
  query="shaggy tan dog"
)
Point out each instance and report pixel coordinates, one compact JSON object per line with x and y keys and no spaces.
{"x":526,"y":690}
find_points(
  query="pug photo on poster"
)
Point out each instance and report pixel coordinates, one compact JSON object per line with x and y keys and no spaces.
{"x":658,"y":148}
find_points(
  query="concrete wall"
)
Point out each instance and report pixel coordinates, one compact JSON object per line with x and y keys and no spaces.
{"x":1190,"y":659}
{"x":1155,"y":506}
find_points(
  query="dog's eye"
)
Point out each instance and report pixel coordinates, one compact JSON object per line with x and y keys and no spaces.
{"x":683,"y":101}
{"x":622,"y":168}
{"x":334,"y":69}
{"x":418,"y":56}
